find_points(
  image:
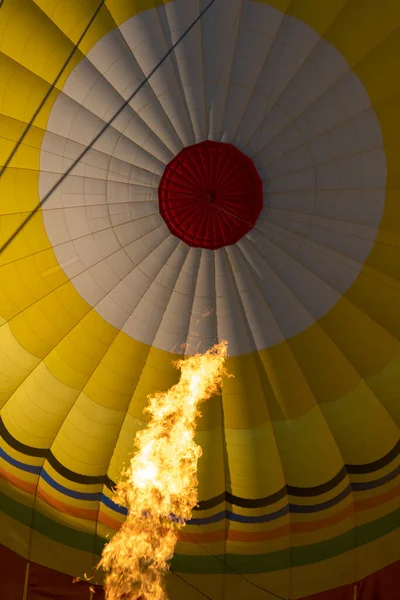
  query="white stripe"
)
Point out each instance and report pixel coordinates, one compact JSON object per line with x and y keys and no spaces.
{"x":247,"y":75}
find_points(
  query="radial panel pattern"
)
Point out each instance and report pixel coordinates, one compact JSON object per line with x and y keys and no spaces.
{"x":99,"y":293}
{"x":283,"y":96}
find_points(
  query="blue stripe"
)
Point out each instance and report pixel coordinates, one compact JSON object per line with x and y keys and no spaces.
{"x":115,"y":507}
{"x":91,"y":496}
{"x":213,"y":519}
{"x":307,"y":508}
{"x":19,"y":465}
{"x":225,"y":514}
{"x":368,"y":485}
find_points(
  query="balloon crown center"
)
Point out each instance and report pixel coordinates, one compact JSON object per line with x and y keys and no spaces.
{"x":210,"y":195}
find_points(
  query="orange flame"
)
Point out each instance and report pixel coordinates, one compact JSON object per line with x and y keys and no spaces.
{"x":160,"y":486}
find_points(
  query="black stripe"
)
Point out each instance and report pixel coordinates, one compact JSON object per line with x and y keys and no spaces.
{"x":77,"y":477}
{"x":304,"y":492}
{"x":242,"y":502}
{"x":377,"y":464}
{"x":23,"y":448}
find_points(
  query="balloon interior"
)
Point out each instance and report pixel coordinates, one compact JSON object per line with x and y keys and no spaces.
{"x":174,"y":173}
{"x":159,"y":488}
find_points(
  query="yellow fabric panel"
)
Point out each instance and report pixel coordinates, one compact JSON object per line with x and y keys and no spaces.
{"x":112,"y":384}
{"x":35,"y":461}
{"x":211,"y":414}
{"x":87,"y":437}
{"x":22,"y":282}
{"x":211,"y":466}
{"x":388,"y":112}
{"x":366,"y":344}
{"x":59,"y":516}
{"x":379,"y":70}
{"x":46,"y":551}
{"x":326,"y":532}
{"x":376,"y":474}
{"x":357,"y":417}
{"x":360,"y":27}
{"x":255,"y":466}
{"x":385,"y":255}
{"x":311,"y":579}
{"x":13,"y":180}
{"x":121,"y":10}
{"x":158,"y":374}
{"x":308,"y":451}
{"x":280,"y":543}
{"x":124,"y":446}
{"x":378,"y":554}
{"x":378,"y":301}
{"x":290,"y":394}
{"x":14,"y":535}
{"x":73,"y":21}
{"x":29,"y":241}
{"x":369,"y":514}
{"x":386,"y":385}
{"x":73,"y":361}
{"x":245,"y":383}
{"x":15,"y":472}
{"x":38,"y":407}
{"x":320,"y":360}
{"x":72,"y":485}
{"x":34,"y":41}
{"x":319,"y":15}
{"x":282,"y":5}
{"x":321,"y":498}
{"x":43,"y":324}
{"x":21,"y":496}
{"x":21,"y":92}
{"x":15,"y":363}
{"x":203,"y":548}
{"x":87,"y":343}
{"x":66,"y":518}
{"x":379,"y":276}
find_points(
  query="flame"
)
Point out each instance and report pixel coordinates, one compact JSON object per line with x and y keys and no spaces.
{"x":160,"y":486}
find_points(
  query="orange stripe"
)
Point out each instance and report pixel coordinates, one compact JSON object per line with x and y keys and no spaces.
{"x":109,"y":521}
{"x":321,"y":523}
{"x":81,"y":513}
{"x":372,"y":502}
{"x":211,"y":536}
{"x":258,"y":536}
{"x":18,"y":483}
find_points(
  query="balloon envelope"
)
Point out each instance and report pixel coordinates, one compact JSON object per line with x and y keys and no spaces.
{"x":249,"y":192}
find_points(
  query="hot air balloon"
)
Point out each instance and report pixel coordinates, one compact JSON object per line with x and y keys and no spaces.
{"x":181,"y":172}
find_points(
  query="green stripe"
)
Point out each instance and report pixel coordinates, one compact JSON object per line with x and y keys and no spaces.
{"x":296,"y":557}
{"x":246,"y":564}
{"x":67,"y":536}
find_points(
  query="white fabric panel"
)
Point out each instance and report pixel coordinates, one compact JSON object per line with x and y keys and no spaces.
{"x":187,"y":59}
{"x":245,"y":75}
{"x":231,"y":321}
{"x":146,"y":40}
{"x":203,"y":322}
{"x":219,"y":32}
